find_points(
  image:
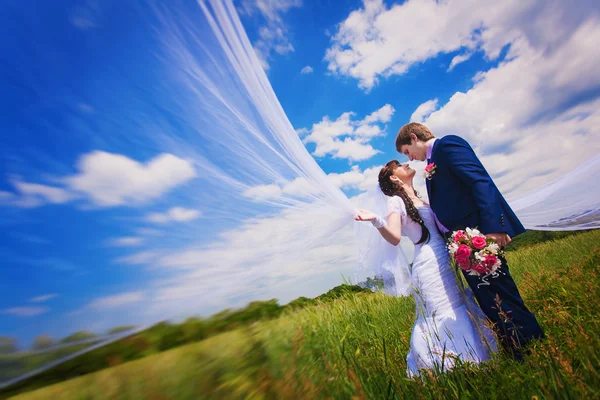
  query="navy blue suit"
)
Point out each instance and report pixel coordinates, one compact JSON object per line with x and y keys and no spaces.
{"x":462,"y":194}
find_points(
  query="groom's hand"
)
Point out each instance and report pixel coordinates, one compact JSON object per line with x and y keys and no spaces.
{"x":502,"y":239}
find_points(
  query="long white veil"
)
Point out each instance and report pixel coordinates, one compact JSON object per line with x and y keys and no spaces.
{"x":571,"y":202}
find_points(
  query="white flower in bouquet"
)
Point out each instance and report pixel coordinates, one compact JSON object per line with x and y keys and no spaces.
{"x":472,"y":232}
{"x":493,"y":247}
{"x":480,"y":255}
{"x":452,"y":247}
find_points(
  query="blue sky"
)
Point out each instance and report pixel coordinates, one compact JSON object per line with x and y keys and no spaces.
{"x":96,"y":216}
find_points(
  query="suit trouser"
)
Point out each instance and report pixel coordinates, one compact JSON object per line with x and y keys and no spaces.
{"x":502,"y":304}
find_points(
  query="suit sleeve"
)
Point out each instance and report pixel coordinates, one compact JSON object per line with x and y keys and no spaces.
{"x":463,"y":162}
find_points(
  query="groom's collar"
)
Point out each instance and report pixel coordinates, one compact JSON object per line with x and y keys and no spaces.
{"x":430,"y":149}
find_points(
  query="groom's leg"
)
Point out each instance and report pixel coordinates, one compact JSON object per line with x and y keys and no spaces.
{"x":503,"y":305}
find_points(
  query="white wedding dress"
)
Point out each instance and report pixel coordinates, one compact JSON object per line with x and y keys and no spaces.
{"x":450,"y":325}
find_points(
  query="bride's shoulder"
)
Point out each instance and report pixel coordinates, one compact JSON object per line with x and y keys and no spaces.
{"x":395,"y":204}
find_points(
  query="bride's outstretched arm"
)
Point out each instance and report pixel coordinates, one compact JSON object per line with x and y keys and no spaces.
{"x":390,"y":230}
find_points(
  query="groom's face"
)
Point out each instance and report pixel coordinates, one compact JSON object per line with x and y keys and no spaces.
{"x":416,"y":150}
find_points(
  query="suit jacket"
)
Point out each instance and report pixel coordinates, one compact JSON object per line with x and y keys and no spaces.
{"x":462,"y":193}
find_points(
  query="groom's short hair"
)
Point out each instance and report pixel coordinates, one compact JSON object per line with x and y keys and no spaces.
{"x":419,"y":130}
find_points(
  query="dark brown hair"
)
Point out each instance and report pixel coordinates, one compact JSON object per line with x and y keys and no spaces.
{"x":390,"y":188}
{"x":419,"y":130}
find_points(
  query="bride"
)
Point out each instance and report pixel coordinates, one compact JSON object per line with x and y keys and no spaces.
{"x":450,"y":326}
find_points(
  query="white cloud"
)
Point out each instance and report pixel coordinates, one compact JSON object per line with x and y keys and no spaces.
{"x":272,"y":37}
{"x":25,"y":311}
{"x":300,"y":187}
{"x":29,"y":195}
{"x":43,"y":298}
{"x":112,"y":179}
{"x":457,"y":60}
{"x":383,"y":115}
{"x":347,"y":138}
{"x":263,"y":192}
{"x":117,"y":300}
{"x":80,"y":20}
{"x":143,"y":257}
{"x":175,"y":214}
{"x":48,"y":262}
{"x":376,"y":42}
{"x":355,"y":179}
{"x":307,"y":70}
{"x":106,"y":180}
{"x":352,"y":149}
{"x":292,"y":190}
{"x":86,"y":16}
{"x":424,"y":110}
{"x":148,"y":232}
{"x":299,"y":131}
{"x":6,"y":196}
{"x":86,"y":108}
{"x":48,"y":193}
{"x":125,"y":241}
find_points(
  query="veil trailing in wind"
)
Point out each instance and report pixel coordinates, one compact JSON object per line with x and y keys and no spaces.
{"x":571,"y":202}
{"x":181,"y":139}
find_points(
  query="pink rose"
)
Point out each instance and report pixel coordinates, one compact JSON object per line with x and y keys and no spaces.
{"x":429,"y":167}
{"x":478,"y":242}
{"x":459,"y":236}
{"x":490,"y":260}
{"x":464,"y":263}
{"x":463,"y":251}
{"x":479,"y":268}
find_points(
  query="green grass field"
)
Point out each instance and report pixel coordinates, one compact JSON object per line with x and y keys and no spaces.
{"x":356,"y":347}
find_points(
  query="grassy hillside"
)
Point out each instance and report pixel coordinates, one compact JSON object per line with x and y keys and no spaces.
{"x":160,"y":337}
{"x":356,"y":346}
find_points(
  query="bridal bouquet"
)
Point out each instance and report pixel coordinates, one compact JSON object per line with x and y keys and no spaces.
{"x":474,"y":253}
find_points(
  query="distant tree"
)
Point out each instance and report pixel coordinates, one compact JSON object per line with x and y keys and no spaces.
{"x":257,"y":310}
{"x":78,"y":336}
{"x":42,"y":342}
{"x":300,"y":302}
{"x":170,"y":335}
{"x":342,"y":291}
{"x":122,"y":328}
{"x":193,"y":329}
{"x":8,"y":345}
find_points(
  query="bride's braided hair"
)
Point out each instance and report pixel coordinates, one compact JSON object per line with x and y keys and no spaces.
{"x":390,"y":188}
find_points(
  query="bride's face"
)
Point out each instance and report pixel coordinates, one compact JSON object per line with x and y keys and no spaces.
{"x":404,"y":173}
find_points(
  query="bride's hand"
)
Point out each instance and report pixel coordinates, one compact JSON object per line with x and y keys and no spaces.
{"x":365,"y":215}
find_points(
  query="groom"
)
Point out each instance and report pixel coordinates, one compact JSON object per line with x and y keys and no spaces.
{"x":462,"y":194}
